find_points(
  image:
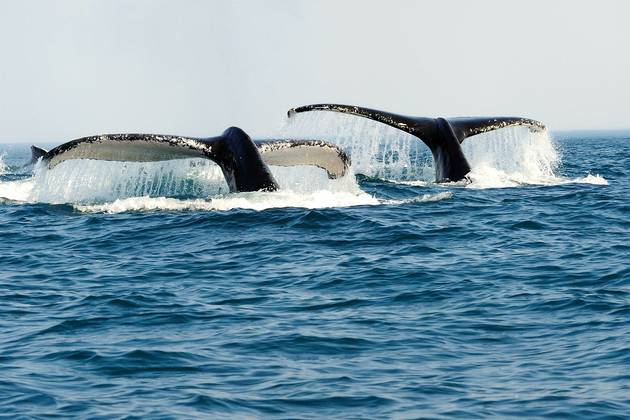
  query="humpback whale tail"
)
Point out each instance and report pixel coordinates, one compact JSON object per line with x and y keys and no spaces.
{"x":234,"y":152}
{"x":242,"y":161}
{"x":443,"y":136}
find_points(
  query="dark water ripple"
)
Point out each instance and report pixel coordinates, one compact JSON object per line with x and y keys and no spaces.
{"x":495,"y":303}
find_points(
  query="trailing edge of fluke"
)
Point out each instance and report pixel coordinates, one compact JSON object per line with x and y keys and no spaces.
{"x":443,"y":136}
{"x":244,"y":162}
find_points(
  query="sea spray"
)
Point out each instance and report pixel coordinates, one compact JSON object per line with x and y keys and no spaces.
{"x":92,"y":182}
{"x":510,"y":157}
{"x":99,"y":181}
{"x":3,"y":166}
{"x":377,"y":150}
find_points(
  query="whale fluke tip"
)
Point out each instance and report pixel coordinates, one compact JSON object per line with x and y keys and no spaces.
{"x":36,"y":153}
{"x":442,"y":136}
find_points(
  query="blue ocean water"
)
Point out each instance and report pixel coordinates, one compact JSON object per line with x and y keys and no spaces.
{"x":154,"y":295}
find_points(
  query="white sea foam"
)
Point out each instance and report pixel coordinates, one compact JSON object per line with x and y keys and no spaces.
{"x":13,"y":190}
{"x":424,"y":198}
{"x":415,"y":183}
{"x":16,"y":190}
{"x":254,"y":201}
{"x":376,"y":149}
{"x":590,"y":179}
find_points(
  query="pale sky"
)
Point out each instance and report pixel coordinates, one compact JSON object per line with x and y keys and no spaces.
{"x":71,"y":68}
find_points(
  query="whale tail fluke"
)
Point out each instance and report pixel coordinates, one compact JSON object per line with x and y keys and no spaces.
{"x":234,"y":152}
{"x":244,"y":163}
{"x":36,"y":153}
{"x":443,"y":136}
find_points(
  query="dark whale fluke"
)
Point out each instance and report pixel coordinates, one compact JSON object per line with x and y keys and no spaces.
{"x":242,"y":161}
{"x":234,"y":152}
{"x":442,"y":136}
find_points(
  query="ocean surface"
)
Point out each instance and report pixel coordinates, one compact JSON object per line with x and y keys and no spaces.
{"x":147,"y":290}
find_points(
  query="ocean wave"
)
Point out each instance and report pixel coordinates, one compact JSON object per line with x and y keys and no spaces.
{"x":251,"y":201}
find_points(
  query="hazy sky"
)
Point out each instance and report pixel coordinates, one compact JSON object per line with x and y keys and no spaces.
{"x":75,"y":68}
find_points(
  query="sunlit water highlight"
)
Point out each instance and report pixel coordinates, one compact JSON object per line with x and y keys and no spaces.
{"x":148,"y":290}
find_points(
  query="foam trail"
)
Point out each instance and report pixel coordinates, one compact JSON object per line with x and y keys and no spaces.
{"x":254,"y":201}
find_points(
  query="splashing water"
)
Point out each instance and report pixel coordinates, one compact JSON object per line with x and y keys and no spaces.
{"x":186,"y":185}
{"x":3,"y":166}
{"x":510,"y":157}
{"x":252,"y":201}
{"x":193,"y":184}
{"x":255,"y":201}
{"x":377,"y":150}
{"x":90,"y":181}
{"x":93,"y":181}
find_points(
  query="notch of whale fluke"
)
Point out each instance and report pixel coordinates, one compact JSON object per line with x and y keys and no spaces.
{"x":442,"y":135}
{"x":244,"y":163}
